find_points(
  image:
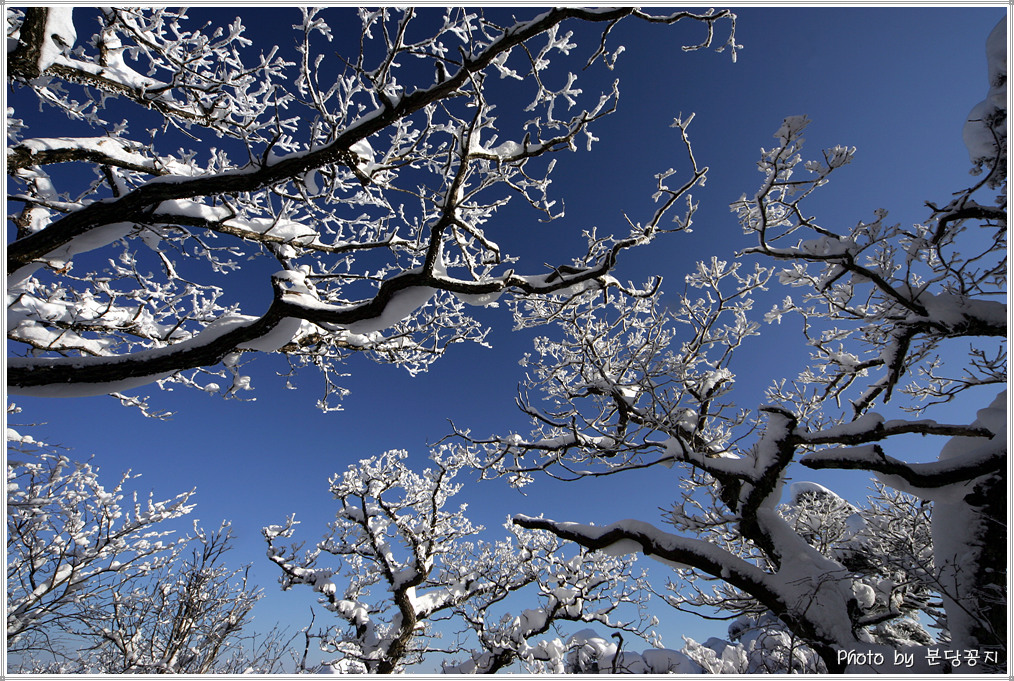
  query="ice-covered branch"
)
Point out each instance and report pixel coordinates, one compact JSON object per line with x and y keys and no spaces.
{"x":632,"y":536}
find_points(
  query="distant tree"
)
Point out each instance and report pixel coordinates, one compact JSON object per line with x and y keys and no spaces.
{"x":187,"y":618}
{"x":406,"y":562}
{"x":360,"y":170}
{"x":885,"y":309}
{"x":96,"y":587}
{"x":761,"y":646}
{"x":70,"y":542}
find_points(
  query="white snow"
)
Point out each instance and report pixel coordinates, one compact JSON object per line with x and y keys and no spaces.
{"x":993,"y":418}
{"x":195,"y":209}
{"x":590,"y":651}
{"x":955,"y":310}
{"x":798,"y":489}
{"x":91,"y":240}
{"x":622,"y":547}
{"x":713,"y":379}
{"x":219,"y":328}
{"x":665,"y":661}
{"x":827,"y":246}
{"x":531,"y":620}
{"x":287,"y":231}
{"x":401,"y":306}
{"x":282,"y":334}
{"x":480,"y":299}
{"x":58,"y":36}
{"x":310,"y":182}
{"x":365,"y":152}
{"x":15,"y":436}
{"x":864,"y":594}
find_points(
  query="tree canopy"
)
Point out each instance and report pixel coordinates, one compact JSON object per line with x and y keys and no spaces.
{"x":347,"y":197}
{"x":364,"y":177}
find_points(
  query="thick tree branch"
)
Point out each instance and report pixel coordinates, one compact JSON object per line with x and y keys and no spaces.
{"x":920,"y":475}
{"x":683,"y":551}
{"x":23,"y":61}
{"x":663,"y":546}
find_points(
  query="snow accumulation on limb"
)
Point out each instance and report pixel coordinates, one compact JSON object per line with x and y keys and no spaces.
{"x":121,"y":153}
{"x":634,"y":536}
{"x":397,"y":299}
{"x":871,"y":427}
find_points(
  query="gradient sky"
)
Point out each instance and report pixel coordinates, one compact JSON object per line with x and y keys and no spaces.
{"x":896,"y":83}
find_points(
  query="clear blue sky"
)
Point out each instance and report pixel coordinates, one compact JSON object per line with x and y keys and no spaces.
{"x":896,"y":83}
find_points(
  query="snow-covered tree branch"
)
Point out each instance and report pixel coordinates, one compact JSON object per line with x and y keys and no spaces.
{"x":407,"y":561}
{"x":364,"y":174}
{"x":902,"y":292}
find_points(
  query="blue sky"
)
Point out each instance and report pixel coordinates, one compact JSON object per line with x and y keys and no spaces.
{"x":896,"y":83}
